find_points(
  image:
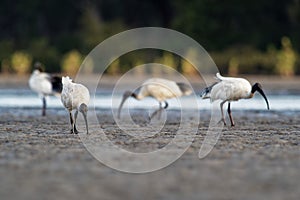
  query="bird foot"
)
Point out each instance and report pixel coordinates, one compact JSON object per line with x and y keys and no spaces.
{"x":222,"y":121}
{"x":73,"y":131}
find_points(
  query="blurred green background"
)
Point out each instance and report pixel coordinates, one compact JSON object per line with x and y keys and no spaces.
{"x":249,"y":37}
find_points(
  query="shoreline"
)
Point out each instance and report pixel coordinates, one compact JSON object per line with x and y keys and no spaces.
{"x":258,"y":158}
{"x":272,"y":84}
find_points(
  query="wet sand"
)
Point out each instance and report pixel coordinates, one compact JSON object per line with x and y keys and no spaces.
{"x":257,"y":159}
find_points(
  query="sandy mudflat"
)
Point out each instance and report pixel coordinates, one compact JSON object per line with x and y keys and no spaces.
{"x":257,"y":159}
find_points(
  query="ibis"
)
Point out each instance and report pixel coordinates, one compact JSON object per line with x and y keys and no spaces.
{"x":229,"y":89}
{"x":44,"y":84}
{"x":159,"y":89}
{"x":76,"y":97}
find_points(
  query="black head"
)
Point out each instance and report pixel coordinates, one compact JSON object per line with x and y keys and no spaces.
{"x":38,"y":66}
{"x":257,"y":87}
{"x":83,"y":108}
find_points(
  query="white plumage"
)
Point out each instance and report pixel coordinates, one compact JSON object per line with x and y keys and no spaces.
{"x":229,"y":89}
{"x":76,"y":97}
{"x":160,"y":89}
{"x":40,"y":83}
{"x":44,"y":84}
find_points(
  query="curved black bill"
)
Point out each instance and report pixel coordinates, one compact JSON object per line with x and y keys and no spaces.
{"x":86,"y":123}
{"x":125,"y":97}
{"x":264,"y":96}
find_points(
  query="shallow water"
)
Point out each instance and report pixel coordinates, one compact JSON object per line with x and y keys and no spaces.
{"x":106,"y":100}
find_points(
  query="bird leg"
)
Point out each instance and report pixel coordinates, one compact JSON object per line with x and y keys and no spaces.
{"x":165,"y":107}
{"x":75,"y":116}
{"x":44,"y":106}
{"x":229,"y":112}
{"x":72,"y":122}
{"x":158,"y":111}
{"x":223,"y":118}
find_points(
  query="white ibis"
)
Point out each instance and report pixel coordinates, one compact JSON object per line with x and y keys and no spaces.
{"x":160,"y":89}
{"x":44,"y":84}
{"x":76,"y":97}
{"x":229,"y":89}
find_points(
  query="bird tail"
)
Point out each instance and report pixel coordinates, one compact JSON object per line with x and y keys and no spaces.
{"x":205,"y":94}
{"x":184,"y":88}
{"x":219,"y":76}
{"x":66,"y":80}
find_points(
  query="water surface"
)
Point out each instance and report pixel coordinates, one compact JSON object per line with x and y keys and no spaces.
{"x":16,"y":98}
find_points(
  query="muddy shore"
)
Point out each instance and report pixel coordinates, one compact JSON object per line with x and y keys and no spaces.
{"x":257,"y":159}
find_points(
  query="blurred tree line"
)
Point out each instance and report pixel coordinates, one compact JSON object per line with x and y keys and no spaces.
{"x":259,"y":36}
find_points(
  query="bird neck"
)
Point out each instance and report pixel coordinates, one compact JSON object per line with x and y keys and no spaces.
{"x":134,"y":95}
{"x":255,"y":87}
{"x":251,"y":95}
{"x":36,"y":72}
